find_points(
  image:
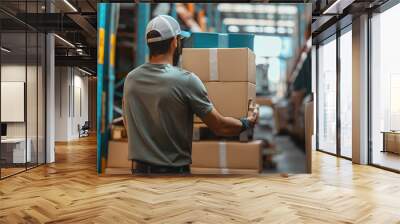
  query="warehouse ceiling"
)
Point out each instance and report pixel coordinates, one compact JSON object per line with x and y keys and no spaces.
{"x":74,"y":23}
{"x":262,"y":19}
{"x":327,"y":14}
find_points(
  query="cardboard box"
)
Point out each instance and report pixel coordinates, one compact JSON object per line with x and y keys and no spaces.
{"x":392,"y":142}
{"x":118,"y":171}
{"x":231,"y":99}
{"x":222,"y":64}
{"x":227,"y":155}
{"x":197,"y":170}
{"x":118,"y":132}
{"x":118,"y":154}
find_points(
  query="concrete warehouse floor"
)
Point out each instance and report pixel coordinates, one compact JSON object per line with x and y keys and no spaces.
{"x":288,"y":156}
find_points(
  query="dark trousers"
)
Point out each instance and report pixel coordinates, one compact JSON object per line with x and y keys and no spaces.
{"x":146,"y":168}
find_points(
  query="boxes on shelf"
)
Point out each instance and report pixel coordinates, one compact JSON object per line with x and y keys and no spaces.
{"x":215,"y":157}
{"x":231,"y":99}
{"x":236,"y":40}
{"x":206,"y":40}
{"x":223,"y":64}
{"x":118,"y":132}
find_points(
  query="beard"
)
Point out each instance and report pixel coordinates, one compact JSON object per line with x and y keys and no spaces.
{"x":177,"y":53}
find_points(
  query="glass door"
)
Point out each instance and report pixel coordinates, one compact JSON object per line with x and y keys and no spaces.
{"x":326,"y":94}
{"x":385,"y":89}
{"x":346,"y":93}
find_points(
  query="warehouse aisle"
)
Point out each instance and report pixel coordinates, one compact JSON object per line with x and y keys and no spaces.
{"x":287,"y":156}
{"x":71,"y":191}
{"x":290,"y":159}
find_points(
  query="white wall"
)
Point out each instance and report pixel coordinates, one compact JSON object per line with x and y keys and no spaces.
{"x":71,"y":93}
{"x":61,"y":103}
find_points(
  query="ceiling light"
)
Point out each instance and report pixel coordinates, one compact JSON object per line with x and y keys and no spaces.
{"x":84,"y":71}
{"x":287,"y":23}
{"x":65,"y":41}
{"x":269,"y":29}
{"x":249,"y":22}
{"x":287,"y":9}
{"x":233,"y":29}
{"x":338,"y":6}
{"x":70,"y":5}
{"x":250,"y":29}
{"x":247,"y":8}
{"x":281,"y":30}
{"x":5,"y":50}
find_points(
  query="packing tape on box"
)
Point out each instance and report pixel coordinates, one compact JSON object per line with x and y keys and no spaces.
{"x":224,"y":171}
{"x":213,"y":64}
{"x":222,"y":154}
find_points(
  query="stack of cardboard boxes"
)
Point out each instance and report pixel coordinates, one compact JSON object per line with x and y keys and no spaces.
{"x":117,"y":157}
{"x":229,"y":77}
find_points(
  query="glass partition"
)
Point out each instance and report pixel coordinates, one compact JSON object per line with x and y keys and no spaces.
{"x":346,"y":93}
{"x":14,"y":153}
{"x":22,"y":101}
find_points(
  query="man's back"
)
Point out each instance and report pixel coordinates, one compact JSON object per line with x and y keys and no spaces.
{"x":160,"y":101}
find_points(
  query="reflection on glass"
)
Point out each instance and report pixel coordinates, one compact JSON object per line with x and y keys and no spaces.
{"x":327,"y":97}
{"x":346,"y":94}
{"x":22,"y":90}
{"x":385,"y":84}
{"x":15,"y":151}
{"x":31,"y":99}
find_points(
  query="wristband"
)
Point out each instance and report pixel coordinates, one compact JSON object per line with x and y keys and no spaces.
{"x":245,"y":124}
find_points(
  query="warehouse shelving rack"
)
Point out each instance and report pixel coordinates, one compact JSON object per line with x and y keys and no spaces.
{"x":107,"y":26}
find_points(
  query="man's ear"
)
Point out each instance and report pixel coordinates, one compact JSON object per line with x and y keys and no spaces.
{"x":174,"y":43}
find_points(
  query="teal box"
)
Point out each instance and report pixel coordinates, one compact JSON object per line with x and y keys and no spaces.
{"x":223,"y":40}
{"x":239,"y":40}
{"x":206,"y":40}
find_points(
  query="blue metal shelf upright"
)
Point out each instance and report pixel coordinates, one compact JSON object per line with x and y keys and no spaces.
{"x":107,"y":26}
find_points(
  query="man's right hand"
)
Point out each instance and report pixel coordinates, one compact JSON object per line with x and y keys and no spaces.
{"x":254,"y":111}
{"x":228,"y":126}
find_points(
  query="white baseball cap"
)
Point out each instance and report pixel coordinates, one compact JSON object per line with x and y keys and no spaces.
{"x":166,"y":26}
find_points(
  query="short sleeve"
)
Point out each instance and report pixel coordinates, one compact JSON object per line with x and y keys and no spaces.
{"x":198,"y":97}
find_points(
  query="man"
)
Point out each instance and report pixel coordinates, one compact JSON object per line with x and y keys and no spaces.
{"x":160,"y":101}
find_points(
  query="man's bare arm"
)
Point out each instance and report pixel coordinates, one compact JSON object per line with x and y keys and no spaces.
{"x":227,"y":126}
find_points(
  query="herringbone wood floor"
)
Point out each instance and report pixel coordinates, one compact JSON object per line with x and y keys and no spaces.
{"x":71,"y":192}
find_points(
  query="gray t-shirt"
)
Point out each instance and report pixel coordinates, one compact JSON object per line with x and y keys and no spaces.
{"x":160,"y":101}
